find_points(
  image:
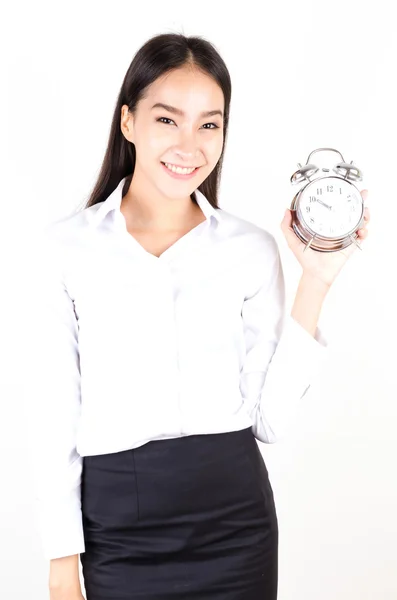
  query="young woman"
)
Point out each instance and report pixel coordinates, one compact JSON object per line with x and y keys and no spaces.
{"x":165,"y":355}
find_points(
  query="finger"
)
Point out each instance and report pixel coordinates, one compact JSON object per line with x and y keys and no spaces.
{"x":287,"y":219}
{"x":367,"y":215}
{"x":364,"y":195}
{"x":362,"y":233}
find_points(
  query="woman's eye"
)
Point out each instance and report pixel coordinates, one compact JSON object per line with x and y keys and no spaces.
{"x":165,"y":119}
{"x":214,"y":125}
{"x":162,"y":119}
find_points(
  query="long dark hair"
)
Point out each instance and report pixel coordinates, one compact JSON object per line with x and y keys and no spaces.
{"x":158,"y":55}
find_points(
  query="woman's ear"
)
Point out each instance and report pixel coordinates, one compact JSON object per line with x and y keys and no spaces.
{"x":127,"y":123}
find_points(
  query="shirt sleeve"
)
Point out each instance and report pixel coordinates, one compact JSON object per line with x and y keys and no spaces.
{"x":281,"y":359}
{"x":53,"y":404}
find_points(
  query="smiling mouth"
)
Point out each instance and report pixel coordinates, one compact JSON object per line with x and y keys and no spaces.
{"x":179,"y":169}
{"x":181,"y":166}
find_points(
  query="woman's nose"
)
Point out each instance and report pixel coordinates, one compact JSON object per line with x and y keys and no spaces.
{"x":187,"y":148}
{"x":188,"y":151}
{"x":186,"y":156}
{"x":187,"y":143}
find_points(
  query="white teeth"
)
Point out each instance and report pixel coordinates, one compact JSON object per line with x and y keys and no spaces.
{"x":180,"y":170}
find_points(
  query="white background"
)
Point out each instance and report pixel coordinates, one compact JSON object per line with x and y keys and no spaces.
{"x":305,"y":75}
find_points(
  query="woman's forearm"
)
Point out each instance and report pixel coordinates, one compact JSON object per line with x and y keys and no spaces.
{"x":308,"y":302}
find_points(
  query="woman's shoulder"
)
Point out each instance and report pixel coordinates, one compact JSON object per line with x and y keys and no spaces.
{"x":59,"y":240}
{"x":246,"y":230}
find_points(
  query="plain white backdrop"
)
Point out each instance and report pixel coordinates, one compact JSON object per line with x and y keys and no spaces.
{"x":305,"y":75}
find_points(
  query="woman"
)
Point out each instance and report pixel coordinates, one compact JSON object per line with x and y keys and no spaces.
{"x":164,"y":354}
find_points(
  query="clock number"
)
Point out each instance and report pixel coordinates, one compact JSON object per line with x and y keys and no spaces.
{"x":307,"y":208}
{"x":319,"y":191}
{"x":340,"y":190}
{"x":330,"y":188}
{"x":312,"y":198}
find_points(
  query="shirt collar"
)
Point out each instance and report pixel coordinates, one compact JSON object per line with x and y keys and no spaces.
{"x":113,"y":202}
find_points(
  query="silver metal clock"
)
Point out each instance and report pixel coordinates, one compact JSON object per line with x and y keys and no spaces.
{"x":328,"y":210}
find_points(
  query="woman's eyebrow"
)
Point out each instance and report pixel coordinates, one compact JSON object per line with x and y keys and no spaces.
{"x":178,"y":111}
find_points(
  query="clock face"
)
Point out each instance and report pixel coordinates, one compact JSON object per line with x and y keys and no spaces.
{"x":331,"y":207}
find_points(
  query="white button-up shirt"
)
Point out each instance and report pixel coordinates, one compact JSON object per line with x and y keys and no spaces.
{"x":129,"y":347}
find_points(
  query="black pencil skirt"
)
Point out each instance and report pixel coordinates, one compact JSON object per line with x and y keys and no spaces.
{"x":191,"y":517}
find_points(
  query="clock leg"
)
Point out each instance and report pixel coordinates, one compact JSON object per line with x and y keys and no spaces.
{"x":355,"y":241}
{"x":308,"y":244}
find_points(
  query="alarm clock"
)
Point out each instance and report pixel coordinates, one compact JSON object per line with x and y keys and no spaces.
{"x":328,"y":210}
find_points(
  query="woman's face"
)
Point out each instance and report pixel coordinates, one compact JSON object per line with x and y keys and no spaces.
{"x":164,"y":135}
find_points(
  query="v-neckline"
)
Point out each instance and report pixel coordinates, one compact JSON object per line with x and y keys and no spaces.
{"x":180,"y":241}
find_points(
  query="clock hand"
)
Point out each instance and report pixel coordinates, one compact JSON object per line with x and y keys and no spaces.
{"x":323,"y":203}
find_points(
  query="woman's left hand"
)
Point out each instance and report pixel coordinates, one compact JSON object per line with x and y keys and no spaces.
{"x":323,"y":266}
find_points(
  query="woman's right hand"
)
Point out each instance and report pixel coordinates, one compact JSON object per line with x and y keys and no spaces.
{"x":64,"y":581}
{"x":66,"y":592}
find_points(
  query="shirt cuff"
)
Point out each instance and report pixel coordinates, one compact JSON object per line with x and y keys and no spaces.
{"x":304,"y":352}
{"x":303,"y":336}
{"x":295,"y":363}
{"x":61,"y":527}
